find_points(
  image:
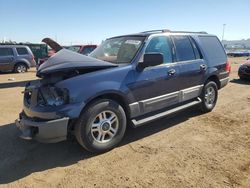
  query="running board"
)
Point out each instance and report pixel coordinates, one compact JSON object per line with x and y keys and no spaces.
{"x":140,"y":122}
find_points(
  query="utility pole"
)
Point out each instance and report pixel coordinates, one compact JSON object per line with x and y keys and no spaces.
{"x":223,"y":32}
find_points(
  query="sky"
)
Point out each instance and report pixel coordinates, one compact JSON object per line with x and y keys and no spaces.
{"x":91,"y":21}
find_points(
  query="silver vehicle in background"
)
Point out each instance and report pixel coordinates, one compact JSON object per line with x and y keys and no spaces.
{"x":16,"y":58}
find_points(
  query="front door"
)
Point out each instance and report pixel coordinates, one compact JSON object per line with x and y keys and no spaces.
{"x":157,"y":87}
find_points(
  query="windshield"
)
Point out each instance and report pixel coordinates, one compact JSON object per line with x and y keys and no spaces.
{"x":118,"y":50}
{"x":73,"y":48}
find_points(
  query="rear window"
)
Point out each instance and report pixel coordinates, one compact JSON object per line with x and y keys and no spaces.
{"x":87,"y":50}
{"x":6,"y":52}
{"x":184,"y":49}
{"x":22,"y":51}
{"x":212,"y":47}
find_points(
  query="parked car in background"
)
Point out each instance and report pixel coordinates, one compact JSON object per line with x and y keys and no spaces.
{"x":39,"y":50}
{"x":16,"y":58}
{"x":55,"y":47}
{"x":82,"y":49}
{"x":238,"y":54}
{"x":135,"y":78}
{"x":244,"y":70}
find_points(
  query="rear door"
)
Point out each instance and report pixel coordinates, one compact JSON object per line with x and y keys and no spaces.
{"x":6,"y":59}
{"x":192,"y":67}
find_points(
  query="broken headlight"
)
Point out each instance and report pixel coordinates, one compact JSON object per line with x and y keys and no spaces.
{"x":53,"y":96}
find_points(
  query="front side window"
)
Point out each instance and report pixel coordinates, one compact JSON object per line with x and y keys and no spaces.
{"x":161,"y":45}
{"x":118,"y":50}
{"x":184,"y":49}
{"x":22,"y":51}
{"x":6,"y":52}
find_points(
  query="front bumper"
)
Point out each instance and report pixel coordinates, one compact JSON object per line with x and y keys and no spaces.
{"x":49,"y":131}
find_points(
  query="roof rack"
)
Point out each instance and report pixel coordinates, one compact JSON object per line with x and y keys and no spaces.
{"x":198,"y":32}
{"x":167,"y":30}
{"x":157,"y":31}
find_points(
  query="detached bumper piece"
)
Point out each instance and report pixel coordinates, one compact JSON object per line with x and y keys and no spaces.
{"x":51,"y":131}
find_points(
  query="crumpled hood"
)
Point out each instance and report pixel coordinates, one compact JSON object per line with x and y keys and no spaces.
{"x":67,"y":60}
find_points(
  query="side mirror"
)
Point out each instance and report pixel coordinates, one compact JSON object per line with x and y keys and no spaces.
{"x":150,"y":60}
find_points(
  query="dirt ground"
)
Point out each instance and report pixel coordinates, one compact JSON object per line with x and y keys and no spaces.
{"x":189,"y":149}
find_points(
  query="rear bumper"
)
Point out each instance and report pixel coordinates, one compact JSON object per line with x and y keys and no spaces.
{"x":224,"y":82}
{"x":49,"y":131}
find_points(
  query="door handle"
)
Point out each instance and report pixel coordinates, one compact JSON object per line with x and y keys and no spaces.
{"x":203,"y":67}
{"x":171,"y":72}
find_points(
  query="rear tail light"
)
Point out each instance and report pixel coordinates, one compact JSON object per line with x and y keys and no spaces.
{"x":228,"y":66}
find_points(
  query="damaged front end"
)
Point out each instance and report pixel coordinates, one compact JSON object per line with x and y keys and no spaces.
{"x":41,"y":118}
{"x":48,"y":110}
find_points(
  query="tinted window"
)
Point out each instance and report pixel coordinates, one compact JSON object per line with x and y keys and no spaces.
{"x":6,"y":52}
{"x":73,"y":48}
{"x":87,"y":50}
{"x":184,"y":49}
{"x":22,"y":51}
{"x":160,"y":45}
{"x":212,"y":47}
{"x":196,"y":50}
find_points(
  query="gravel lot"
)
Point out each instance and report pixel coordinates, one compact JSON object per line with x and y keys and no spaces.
{"x":189,"y":149}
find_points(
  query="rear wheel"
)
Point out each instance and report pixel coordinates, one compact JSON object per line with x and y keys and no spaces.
{"x":101,"y":126}
{"x":20,"y":68}
{"x":209,"y":96}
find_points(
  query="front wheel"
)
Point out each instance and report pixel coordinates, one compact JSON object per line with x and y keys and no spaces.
{"x":101,"y":126}
{"x":209,"y":96}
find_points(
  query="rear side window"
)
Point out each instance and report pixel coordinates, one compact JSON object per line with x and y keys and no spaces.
{"x":184,"y":49}
{"x":6,"y":52}
{"x":161,"y":45}
{"x":212,"y":47}
{"x":22,"y":51}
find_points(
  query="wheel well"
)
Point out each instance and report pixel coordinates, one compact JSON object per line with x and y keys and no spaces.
{"x":112,"y":96}
{"x":215,"y":79}
{"x":116,"y":97}
{"x":21,"y":62}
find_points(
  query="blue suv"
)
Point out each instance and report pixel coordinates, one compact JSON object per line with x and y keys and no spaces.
{"x":132,"y":79}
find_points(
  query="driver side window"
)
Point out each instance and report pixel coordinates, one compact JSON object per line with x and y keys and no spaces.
{"x":161,"y":45}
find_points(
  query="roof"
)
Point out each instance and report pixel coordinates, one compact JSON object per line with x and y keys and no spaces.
{"x":148,"y":33}
{"x":12,"y":45}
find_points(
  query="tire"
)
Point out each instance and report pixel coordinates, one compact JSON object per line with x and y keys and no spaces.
{"x":209,"y":96}
{"x":101,"y":126}
{"x":20,"y":68}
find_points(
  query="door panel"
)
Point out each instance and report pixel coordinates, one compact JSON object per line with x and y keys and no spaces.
{"x":6,"y":59}
{"x":191,"y":73}
{"x":192,"y":67}
{"x":6,"y":63}
{"x":154,"y":88}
